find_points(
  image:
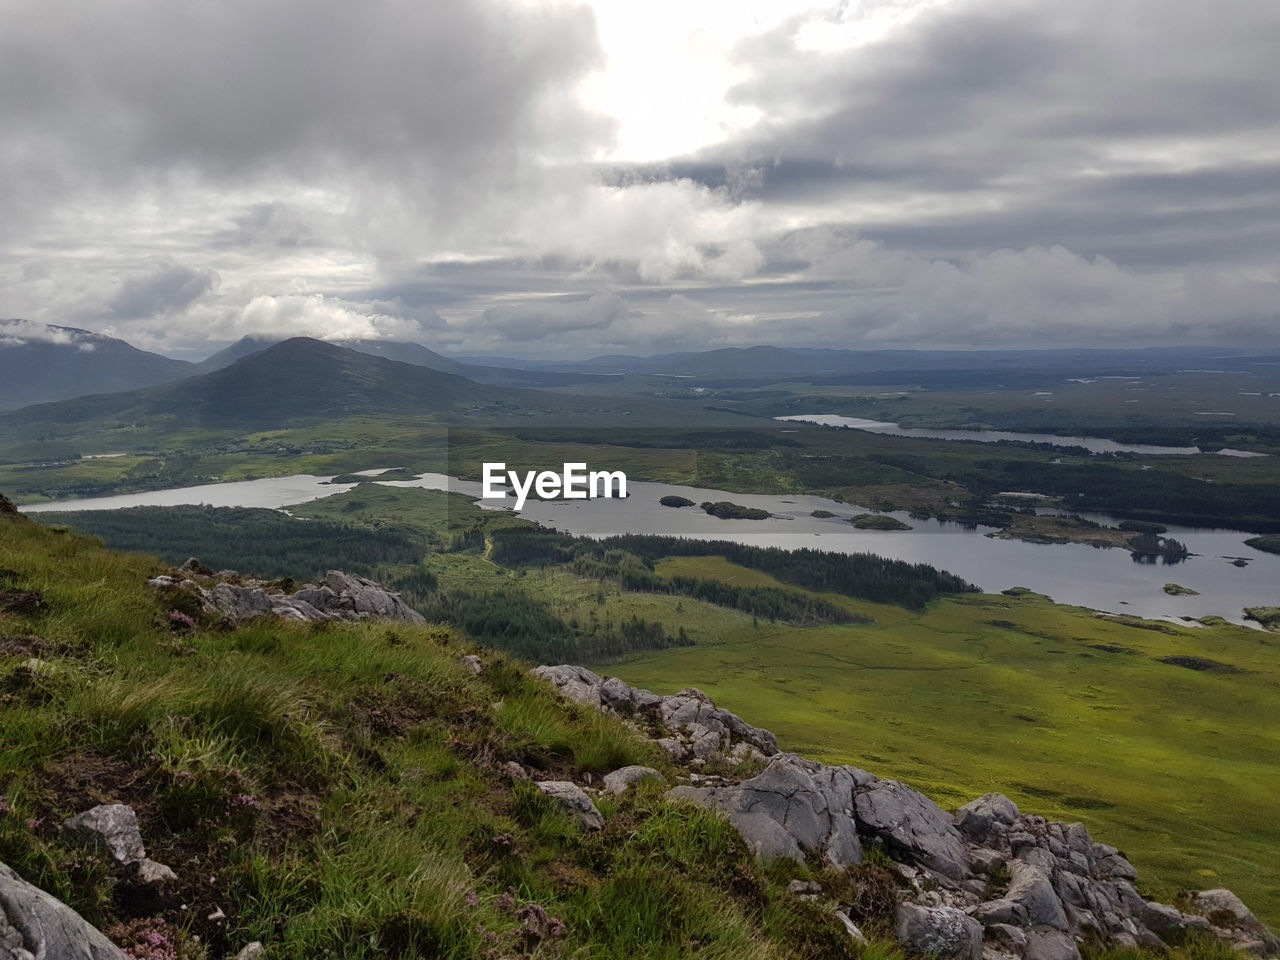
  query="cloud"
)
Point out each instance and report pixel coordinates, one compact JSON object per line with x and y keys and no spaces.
{"x":315,"y":316}
{"x":165,"y":289}
{"x":886,"y":171}
{"x":550,"y":319}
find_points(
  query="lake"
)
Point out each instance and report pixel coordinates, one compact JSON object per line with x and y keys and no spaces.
{"x":1092,"y":444}
{"x":1102,"y":579}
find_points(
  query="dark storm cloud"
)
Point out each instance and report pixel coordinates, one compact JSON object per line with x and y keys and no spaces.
{"x":166,"y":288}
{"x":1102,"y":109}
{"x":375,"y":96}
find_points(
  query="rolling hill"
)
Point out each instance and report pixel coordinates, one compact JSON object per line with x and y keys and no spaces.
{"x":41,"y":363}
{"x":299,"y":379}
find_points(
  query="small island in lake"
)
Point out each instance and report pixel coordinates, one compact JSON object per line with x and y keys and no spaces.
{"x":1267,"y":544}
{"x":878,"y":521}
{"x":674,"y":501}
{"x":822,"y":514}
{"x":1177,"y":590}
{"x":734,"y":511}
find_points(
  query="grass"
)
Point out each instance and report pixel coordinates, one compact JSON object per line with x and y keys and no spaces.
{"x":338,"y":789}
{"x":1072,"y":715}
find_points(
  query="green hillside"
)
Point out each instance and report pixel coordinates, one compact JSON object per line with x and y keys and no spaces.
{"x":338,"y":789}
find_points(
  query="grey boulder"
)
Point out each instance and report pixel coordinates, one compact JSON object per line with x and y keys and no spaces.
{"x":37,"y":926}
{"x":112,"y":827}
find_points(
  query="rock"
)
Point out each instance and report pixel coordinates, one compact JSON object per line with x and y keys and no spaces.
{"x":1030,"y":889}
{"x":369,"y":599}
{"x":943,"y":932}
{"x":147,"y":871}
{"x":625,"y":777}
{"x":36,"y":926}
{"x":1235,"y":922}
{"x":251,"y":951}
{"x":793,"y":807}
{"x":1002,"y":912}
{"x":1009,"y":938}
{"x":238,"y":603}
{"x":515,"y":771}
{"x":39,"y":668}
{"x":473,"y":664}
{"x":851,"y":927}
{"x":7,"y":509}
{"x":574,"y":800}
{"x":575,"y":683}
{"x":342,"y":596}
{"x":113,"y":827}
{"x":690,"y":713}
{"x":674,"y":748}
{"x":1047,"y":943}
{"x":979,"y":818}
{"x":616,"y":695}
{"x":1109,"y":862}
{"x":805,"y":889}
{"x":913,"y":825}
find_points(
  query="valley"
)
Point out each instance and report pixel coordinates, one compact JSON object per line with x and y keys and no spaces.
{"x":1098,"y":716}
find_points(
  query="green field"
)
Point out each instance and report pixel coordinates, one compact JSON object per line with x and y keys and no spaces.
{"x":1072,"y":715}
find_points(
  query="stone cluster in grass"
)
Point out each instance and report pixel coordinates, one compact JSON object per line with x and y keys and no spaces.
{"x":987,"y":881}
{"x":342,"y":596}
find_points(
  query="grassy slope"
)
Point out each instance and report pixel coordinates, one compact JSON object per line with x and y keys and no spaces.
{"x":337,"y":788}
{"x":1171,"y":764}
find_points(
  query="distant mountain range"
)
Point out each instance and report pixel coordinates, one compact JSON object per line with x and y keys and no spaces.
{"x":418,"y":355}
{"x":298,"y":379}
{"x":39,"y":362}
{"x":776,"y":363}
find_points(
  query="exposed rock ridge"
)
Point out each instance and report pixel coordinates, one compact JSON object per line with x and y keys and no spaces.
{"x":342,"y":596}
{"x":986,"y":881}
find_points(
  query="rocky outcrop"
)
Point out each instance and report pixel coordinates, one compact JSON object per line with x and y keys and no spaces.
{"x":36,"y":926}
{"x":342,"y":596}
{"x":7,"y":509}
{"x":794,"y":807}
{"x":696,"y":728}
{"x":985,"y":880}
{"x":113,"y":828}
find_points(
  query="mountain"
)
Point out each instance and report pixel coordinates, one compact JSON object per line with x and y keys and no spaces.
{"x":416,"y":354}
{"x":770,"y":363}
{"x":40,"y":362}
{"x":293,"y":380}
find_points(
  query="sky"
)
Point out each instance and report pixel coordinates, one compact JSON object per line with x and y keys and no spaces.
{"x":547,"y":179}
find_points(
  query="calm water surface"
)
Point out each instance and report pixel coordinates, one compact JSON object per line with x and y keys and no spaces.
{"x":1093,"y":444}
{"x":1103,"y":579}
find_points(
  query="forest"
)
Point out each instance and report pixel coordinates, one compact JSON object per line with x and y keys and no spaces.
{"x":264,"y":542}
{"x":862,"y":576}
